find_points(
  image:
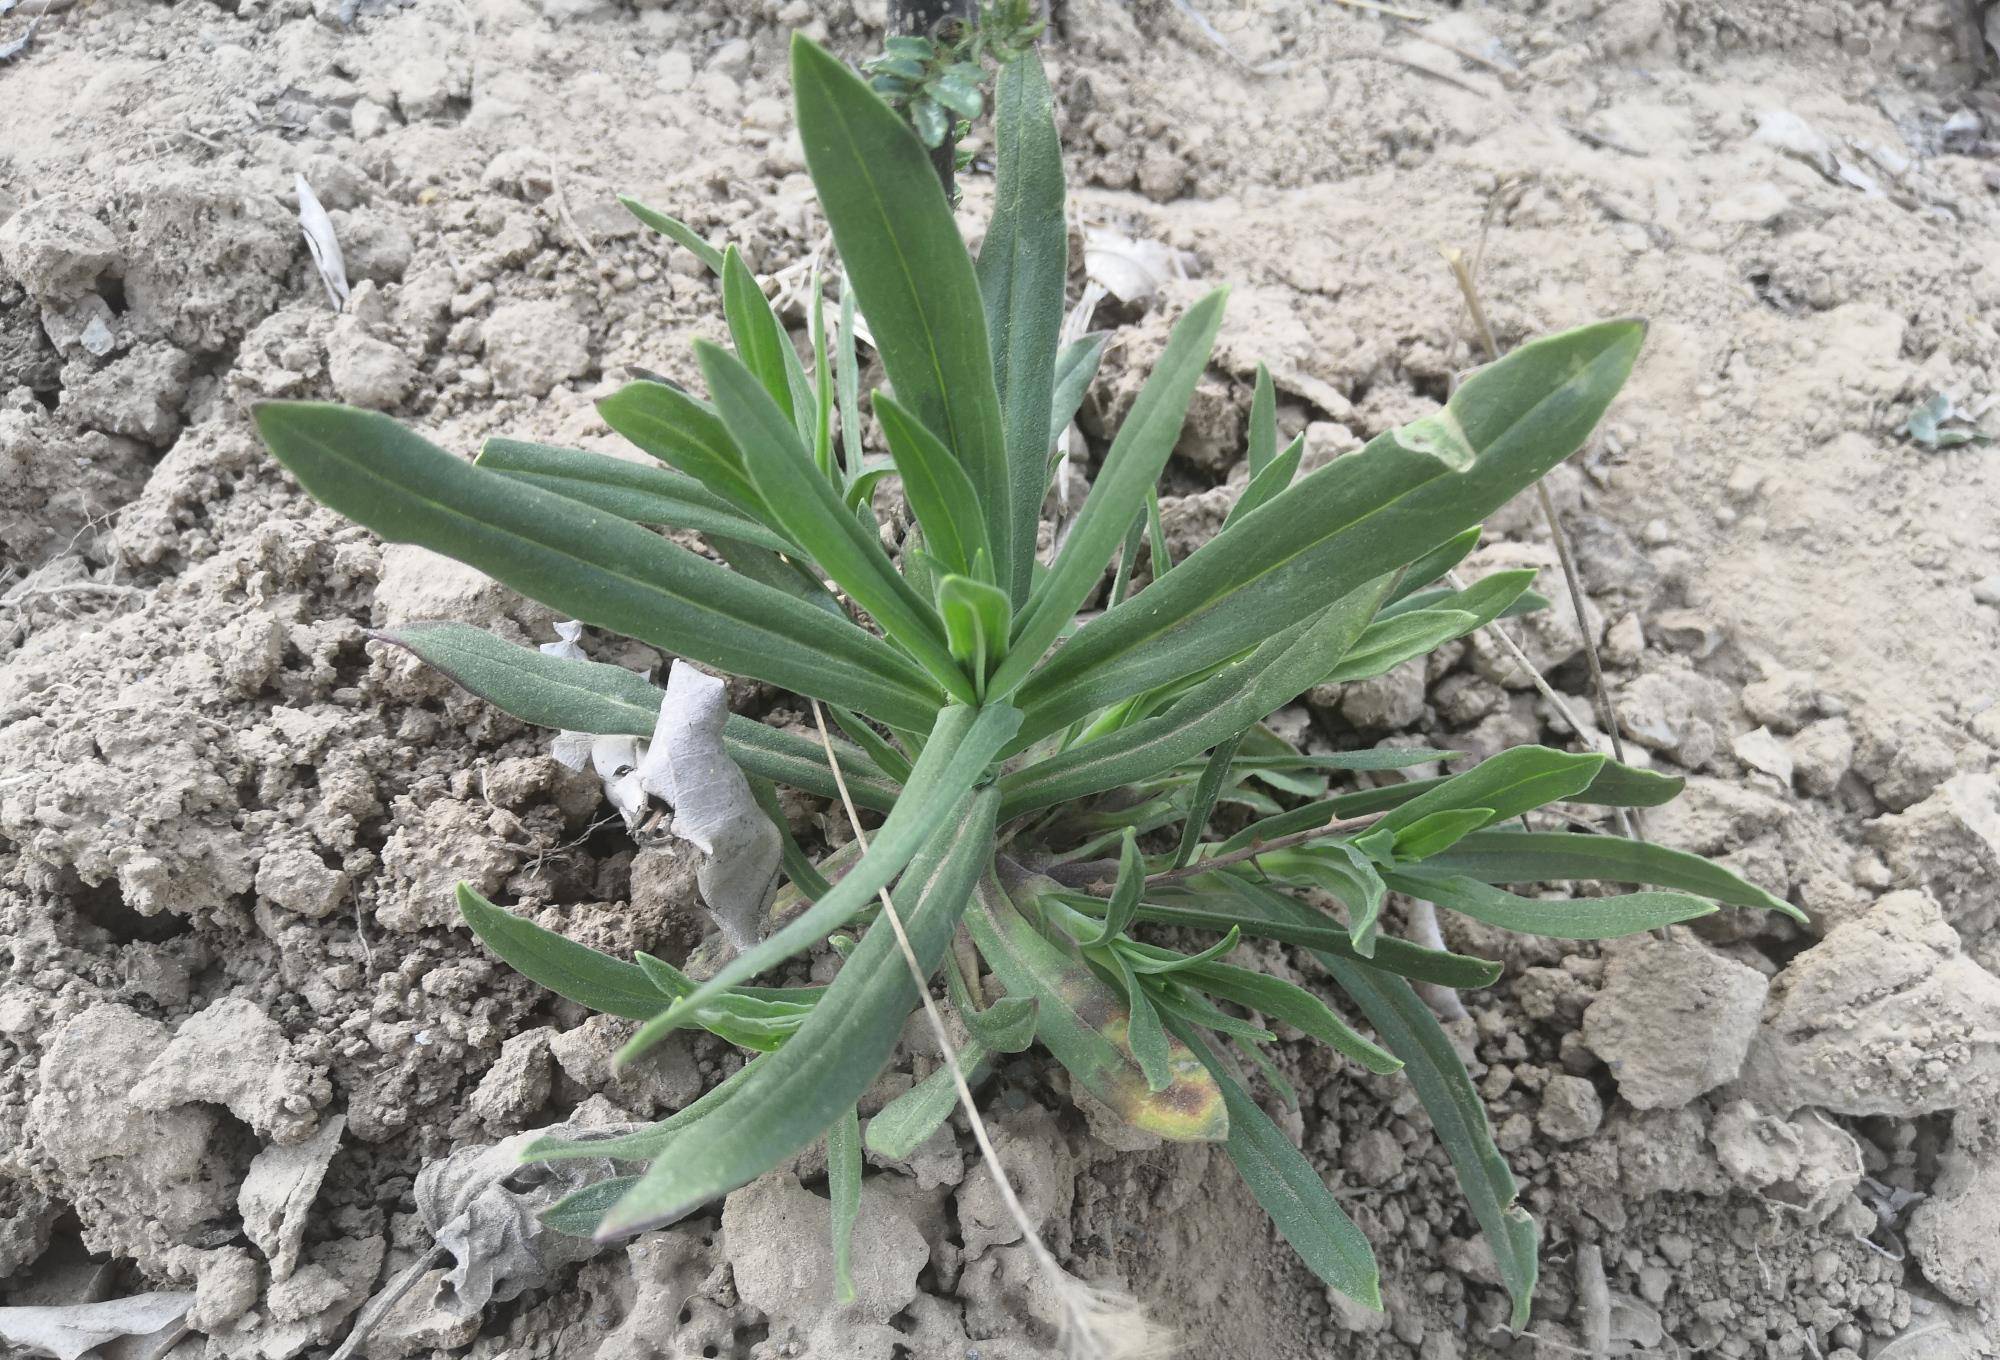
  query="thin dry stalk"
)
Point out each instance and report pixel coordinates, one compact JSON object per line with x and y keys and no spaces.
{"x":581,"y":237}
{"x":1408,"y":16}
{"x":1099,"y":1324}
{"x":1600,"y":691}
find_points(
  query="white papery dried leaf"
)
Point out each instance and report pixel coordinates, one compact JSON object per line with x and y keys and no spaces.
{"x":482,"y":1206}
{"x":568,"y":643}
{"x":277,"y":1196}
{"x":687,"y":768}
{"x":1132,"y":270}
{"x":573,"y":749}
{"x":617,"y":761}
{"x":325,"y":247}
{"x":69,"y":1331}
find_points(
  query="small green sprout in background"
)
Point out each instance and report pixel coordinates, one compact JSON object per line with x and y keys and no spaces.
{"x":1939,"y":424}
{"x":938,"y":81}
{"x":1047,"y":761}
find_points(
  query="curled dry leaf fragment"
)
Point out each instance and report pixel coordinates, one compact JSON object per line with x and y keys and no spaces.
{"x":72,"y":1330}
{"x":318,"y":229}
{"x":278,"y":1193}
{"x":686,"y":767}
{"x":483,"y":1207}
{"x":1131,"y":270}
{"x":714,"y":810}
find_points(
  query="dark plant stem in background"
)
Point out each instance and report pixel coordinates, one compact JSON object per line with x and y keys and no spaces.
{"x":924,"y":19}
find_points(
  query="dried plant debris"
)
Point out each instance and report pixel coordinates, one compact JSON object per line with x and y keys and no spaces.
{"x":687,"y":768}
{"x":318,"y":229}
{"x":1132,"y":269}
{"x":15,"y":47}
{"x":71,"y":1331}
{"x":278,"y":1194}
{"x":484,"y":1209}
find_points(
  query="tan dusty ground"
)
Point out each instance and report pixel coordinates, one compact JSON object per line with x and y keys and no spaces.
{"x":216,"y":801}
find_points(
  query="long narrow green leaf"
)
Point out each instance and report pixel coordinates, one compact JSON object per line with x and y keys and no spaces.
{"x":1265,"y":486}
{"x":1421,"y":965}
{"x":589,"y":696}
{"x":577,"y":1214}
{"x":578,"y":972}
{"x":1221,"y":765}
{"x":1297,"y":1007}
{"x":1144,"y":1033}
{"x":1375,"y":758}
{"x":1439,"y":831}
{"x":1083,"y":1023}
{"x":1340,"y":869}
{"x":905,"y":1122}
{"x":823,"y":398}
{"x":790,"y":574}
{"x":1488,"y":598}
{"x":1076,"y":367}
{"x":1153,"y":961}
{"x":761,"y":343}
{"x":1021,"y":270}
{"x":1124,"y":894}
{"x":1409,"y":1030}
{"x":1156,"y":536}
{"x":1259,"y":909}
{"x":943,"y":498}
{"x":644,"y":495}
{"x":886,"y":757}
{"x":1507,"y":785}
{"x":1352,"y":520}
{"x":676,"y":231}
{"x":910,"y":270}
{"x":843,"y":1187}
{"x":1191,"y":1006}
{"x":1435,"y":563}
{"x":803,"y":873}
{"x":1285,"y":1184}
{"x":644,"y":1144}
{"x":1219,"y":708}
{"x":684,"y":432}
{"x":1263,"y":423}
{"x":547,"y":691}
{"x":586,"y":563}
{"x":1131,"y":468}
{"x":1571,"y":918}
{"x":1413,"y":1034}
{"x":1390,"y":642}
{"x":1128,"y":556}
{"x":792,"y":1095}
{"x":847,"y":368}
{"x":748,"y":1022}
{"x":1615,"y":786}
{"x":800,"y":761}
{"x":811,"y":512}
{"x":1552,"y":856}
{"x":953,"y":763}
{"x":1619,"y":785}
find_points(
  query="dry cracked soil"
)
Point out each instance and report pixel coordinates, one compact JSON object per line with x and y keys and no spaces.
{"x":245,"y":1047}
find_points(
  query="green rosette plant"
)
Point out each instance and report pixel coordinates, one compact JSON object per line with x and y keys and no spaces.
{"x":1046,"y":751}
